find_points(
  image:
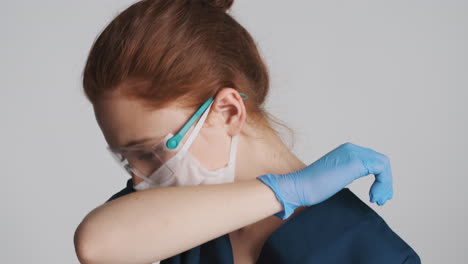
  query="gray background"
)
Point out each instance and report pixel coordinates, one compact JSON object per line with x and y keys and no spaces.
{"x":389,"y":75}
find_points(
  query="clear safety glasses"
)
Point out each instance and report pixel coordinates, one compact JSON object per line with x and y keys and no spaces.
{"x":143,"y":161}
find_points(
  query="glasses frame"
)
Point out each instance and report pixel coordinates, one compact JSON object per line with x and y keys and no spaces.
{"x":174,"y":141}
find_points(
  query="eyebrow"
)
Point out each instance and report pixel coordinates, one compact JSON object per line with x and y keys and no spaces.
{"x":140,"y":141}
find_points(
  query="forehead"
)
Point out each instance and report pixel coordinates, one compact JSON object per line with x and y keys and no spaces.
{"x":123,"y":120}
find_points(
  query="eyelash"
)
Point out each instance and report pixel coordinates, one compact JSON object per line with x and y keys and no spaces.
{"x":146,"y":155}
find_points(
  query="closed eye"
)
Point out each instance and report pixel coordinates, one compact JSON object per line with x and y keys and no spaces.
{"x":146,"y":156}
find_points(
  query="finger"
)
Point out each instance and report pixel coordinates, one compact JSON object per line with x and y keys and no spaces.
{"x":381,"y":191}
{"x":379,"y":165}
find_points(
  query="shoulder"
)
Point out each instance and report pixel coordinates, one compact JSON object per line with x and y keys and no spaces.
{"x":128,"y":189}
{"x":343,"y":224}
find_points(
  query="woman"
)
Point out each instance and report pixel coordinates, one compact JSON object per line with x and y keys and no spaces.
{"x":178,"y":88}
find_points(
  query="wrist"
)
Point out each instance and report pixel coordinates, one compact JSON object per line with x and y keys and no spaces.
{"x":271,"y":180}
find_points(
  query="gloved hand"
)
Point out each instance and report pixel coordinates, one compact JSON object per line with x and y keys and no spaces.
{"x":328,"y":175}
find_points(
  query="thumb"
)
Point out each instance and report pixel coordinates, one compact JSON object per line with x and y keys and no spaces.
{"x":382,"y":188}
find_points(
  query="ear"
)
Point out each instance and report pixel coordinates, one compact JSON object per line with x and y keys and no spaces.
{"x":228,"y":111}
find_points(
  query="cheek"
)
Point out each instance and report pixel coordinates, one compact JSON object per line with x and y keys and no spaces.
{"x":211,"y":150}
{"x":136,"y":180}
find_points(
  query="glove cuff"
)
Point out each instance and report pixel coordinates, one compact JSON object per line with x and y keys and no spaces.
{"x":288,"y":209}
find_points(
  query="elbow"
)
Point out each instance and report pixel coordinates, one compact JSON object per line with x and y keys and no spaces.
{"x":83,"y":248}
{"x":91,"y":250}
{"x":86,"y":245}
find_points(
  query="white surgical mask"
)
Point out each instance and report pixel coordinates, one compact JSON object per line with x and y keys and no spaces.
{"x":184,"y":169}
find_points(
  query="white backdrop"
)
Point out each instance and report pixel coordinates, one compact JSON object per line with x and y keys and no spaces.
{"x":388,"y":75}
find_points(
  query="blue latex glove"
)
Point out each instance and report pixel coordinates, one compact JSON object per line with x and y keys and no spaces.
{"x":328,"y":175}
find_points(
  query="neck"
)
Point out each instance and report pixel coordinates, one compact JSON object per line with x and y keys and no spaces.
{"x":264,"y":153}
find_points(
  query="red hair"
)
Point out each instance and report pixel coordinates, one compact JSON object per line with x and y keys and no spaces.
{"x":160,"y":51}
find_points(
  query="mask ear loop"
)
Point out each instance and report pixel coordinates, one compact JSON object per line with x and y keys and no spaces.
{"x":232,"y":154}
{"x":173,"y":142}
{"x":184,"y":147}
{"x":196,"y":130}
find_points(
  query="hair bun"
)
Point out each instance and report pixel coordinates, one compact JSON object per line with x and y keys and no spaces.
{"x":224,"y":5}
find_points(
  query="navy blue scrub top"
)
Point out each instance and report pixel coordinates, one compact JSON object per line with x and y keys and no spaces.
{"x":342,"y":229}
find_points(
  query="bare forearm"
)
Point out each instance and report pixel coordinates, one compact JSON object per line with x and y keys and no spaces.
{"x":158,"y":223}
